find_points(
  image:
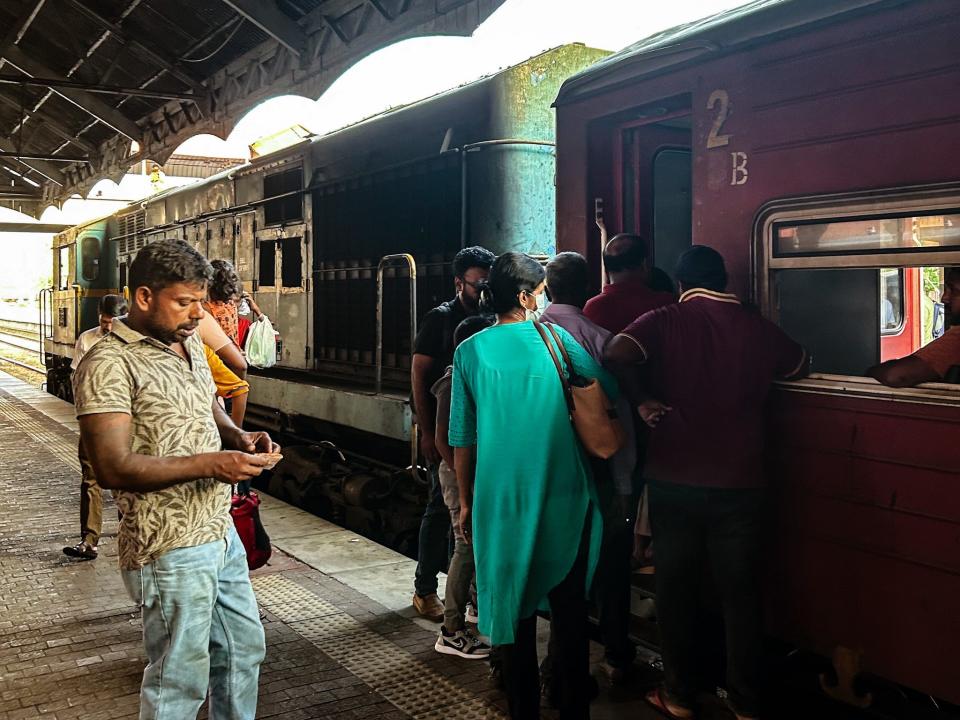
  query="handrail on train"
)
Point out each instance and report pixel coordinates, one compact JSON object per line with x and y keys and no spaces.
{"x":76,"y":310}
{"x":45,"y":295}
{"x":412,"y":267}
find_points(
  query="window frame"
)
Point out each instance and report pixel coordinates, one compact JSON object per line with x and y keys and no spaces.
{"x":894,"y":331}
{"x":63,"y":283}
{"x":268,"y":199}
{"x":282,"y":246}
{"x":258,"y":245}
{"x":908,"y":201}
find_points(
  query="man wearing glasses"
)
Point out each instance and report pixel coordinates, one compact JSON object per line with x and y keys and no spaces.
{"x":432,"y":353}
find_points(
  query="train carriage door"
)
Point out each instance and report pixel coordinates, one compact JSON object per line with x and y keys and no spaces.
{"x":653,"y":199}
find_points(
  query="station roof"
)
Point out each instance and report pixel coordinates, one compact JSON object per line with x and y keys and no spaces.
{"x":90,"y":87}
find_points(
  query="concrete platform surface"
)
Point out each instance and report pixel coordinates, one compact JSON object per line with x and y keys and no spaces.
{"x":342,"y":639}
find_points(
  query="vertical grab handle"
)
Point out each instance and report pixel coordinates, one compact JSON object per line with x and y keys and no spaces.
{"x":45,"y":296}
{"x":412,"y":267}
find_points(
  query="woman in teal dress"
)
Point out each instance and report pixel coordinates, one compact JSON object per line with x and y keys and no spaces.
{"x":527,"y":493}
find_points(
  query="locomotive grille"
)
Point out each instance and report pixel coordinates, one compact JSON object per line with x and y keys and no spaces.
{"x":131,"y":231}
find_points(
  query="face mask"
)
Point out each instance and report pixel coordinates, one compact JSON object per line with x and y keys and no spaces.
{"x":541,"y":306}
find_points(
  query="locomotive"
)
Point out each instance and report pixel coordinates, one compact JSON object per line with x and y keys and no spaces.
{"x":345,"y":241}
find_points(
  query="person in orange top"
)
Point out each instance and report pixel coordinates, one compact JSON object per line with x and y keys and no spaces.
{"x":218,"y":326}
{"x":933,"y":361}
{"x":223,"y":294}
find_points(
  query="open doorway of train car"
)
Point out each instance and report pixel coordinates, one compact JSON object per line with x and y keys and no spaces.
{"x":648,"y":193}
{"x":652,"y":195}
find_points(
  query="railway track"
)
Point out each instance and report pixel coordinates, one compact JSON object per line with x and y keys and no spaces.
{"x":19,"y":344}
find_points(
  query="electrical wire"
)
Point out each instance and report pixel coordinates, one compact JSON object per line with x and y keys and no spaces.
{"x":239,"y":22}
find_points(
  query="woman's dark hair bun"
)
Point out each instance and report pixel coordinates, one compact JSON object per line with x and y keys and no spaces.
{"x":511,"y":273}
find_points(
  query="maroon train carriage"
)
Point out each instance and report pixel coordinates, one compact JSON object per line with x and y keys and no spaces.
{"x":816,"y":145}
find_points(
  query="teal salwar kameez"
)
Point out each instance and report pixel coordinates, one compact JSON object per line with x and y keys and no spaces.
{"x":533,"y":487}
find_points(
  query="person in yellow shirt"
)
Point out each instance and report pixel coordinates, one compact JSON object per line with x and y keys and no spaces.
{"x":229,"y":386}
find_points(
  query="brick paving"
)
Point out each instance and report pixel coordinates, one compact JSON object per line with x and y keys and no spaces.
{"x":70,"y":638}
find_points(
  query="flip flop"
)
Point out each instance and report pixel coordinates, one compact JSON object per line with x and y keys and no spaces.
{"x":656,"y":700}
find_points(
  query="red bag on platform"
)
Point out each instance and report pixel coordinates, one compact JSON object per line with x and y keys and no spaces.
{"x":245,"y":510}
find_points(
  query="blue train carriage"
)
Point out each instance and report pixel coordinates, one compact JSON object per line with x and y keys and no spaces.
{"x":84,"y":270}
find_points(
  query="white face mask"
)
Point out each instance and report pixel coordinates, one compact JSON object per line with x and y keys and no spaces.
{"x":541,"y":306}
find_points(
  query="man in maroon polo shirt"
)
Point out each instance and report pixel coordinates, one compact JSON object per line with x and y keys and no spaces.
{"x":710,"y":363}
{"x":628,"y":296}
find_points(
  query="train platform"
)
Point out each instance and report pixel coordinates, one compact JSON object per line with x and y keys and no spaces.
{"x":342,"y":639}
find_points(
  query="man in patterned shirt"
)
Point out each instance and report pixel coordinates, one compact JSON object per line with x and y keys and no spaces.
{"x":155,"y":433}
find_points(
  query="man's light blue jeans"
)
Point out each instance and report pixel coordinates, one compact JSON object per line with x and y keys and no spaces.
{"x":201,"y":627}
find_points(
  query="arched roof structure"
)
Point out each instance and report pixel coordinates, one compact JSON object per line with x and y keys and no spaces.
{"x":80,"y":81}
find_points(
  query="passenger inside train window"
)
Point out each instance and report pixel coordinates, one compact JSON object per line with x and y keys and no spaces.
{"x":854,"y":291}
{"x":891,"y":300}
{"x":936,"y":361}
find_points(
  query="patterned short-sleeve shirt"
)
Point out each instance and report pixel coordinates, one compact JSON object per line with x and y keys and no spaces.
{"x":169,"y":402}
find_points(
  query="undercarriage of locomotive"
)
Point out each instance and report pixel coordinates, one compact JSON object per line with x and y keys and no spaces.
{"x":361,"y":494}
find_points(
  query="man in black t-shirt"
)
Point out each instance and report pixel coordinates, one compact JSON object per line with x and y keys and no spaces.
{"x":432,"y":353}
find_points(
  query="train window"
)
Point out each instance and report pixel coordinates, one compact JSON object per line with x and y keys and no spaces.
{"x":291,"y":262}
{"x":283,"y":209}
{"x":90,"y":254}
{"x":63,"y":271}
{"x":891,"y":301}
{"x":891,"y":234}
{"x":857,"y":289}
{"x":267,"y":263}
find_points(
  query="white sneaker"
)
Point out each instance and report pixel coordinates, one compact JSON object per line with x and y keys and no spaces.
{"x":463,"y":644}
{"x":470,"y":614}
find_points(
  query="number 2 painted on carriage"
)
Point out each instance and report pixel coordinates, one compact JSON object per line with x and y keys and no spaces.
{"x":715,"y":139}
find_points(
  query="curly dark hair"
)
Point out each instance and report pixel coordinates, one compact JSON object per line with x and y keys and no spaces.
{"x":167,"y":262}
{"x":470,"y":257}
{"x":226,"y":285}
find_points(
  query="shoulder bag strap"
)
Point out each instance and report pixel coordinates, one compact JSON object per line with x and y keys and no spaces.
{"x":563,"y":350}
{"x":567,"y":395}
